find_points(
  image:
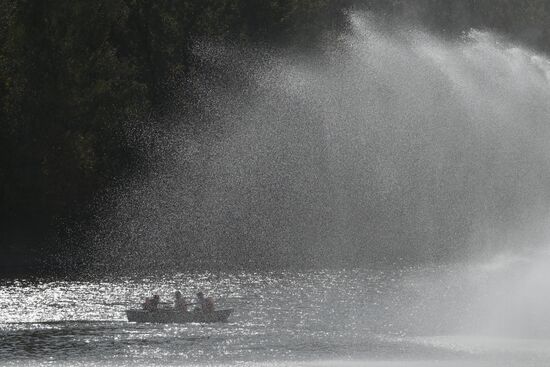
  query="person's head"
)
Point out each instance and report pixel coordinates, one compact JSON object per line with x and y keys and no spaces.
{"x":200,"y":295}
{"x":156,"y":296}
{"x":178,"y":294}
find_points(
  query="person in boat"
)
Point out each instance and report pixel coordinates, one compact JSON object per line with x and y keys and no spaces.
{"x":204,"y":304}
{"x":151,"y":304}
{"x":179,"y":302}
{"x":209,"y":305}
{"x":147,"y":304}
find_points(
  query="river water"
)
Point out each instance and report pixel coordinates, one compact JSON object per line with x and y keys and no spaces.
{"x":379,"y":317}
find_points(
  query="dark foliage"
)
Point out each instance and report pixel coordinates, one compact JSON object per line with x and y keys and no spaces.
{"x":77,"y":76}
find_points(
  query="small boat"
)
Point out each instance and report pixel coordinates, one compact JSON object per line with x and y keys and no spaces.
{"x":167,"y":316}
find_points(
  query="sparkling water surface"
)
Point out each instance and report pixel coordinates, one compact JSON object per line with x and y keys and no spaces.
{"x":355,"y":317}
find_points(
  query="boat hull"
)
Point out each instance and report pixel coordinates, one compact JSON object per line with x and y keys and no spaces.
{"x":178,"y":317}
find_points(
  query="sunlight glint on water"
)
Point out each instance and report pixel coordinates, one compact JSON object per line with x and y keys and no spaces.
{"x":288,"y":317}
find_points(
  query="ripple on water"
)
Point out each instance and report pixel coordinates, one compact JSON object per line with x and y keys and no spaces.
{"x":279,"y":316}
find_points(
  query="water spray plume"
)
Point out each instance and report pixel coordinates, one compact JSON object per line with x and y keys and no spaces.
{"x":390,"y":146}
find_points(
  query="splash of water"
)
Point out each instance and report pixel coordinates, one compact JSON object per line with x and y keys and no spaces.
{"x":390,"y":146}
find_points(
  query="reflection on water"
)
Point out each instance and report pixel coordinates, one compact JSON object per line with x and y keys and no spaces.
{"x":301,"y":317}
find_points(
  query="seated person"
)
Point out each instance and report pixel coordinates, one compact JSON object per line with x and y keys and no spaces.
{"x":151,"y":304}
{"x":204,"y":304}
{"x":208,"y":305}
{"x":179,"y":302}
{"x":147,"y":304}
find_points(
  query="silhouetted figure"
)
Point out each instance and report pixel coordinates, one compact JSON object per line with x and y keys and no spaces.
{"x":179,"y":302}
{"x":204,"y":304}
{"x":151,"y":304}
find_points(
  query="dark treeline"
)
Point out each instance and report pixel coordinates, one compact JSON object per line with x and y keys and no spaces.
{"x":77,"y":77}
